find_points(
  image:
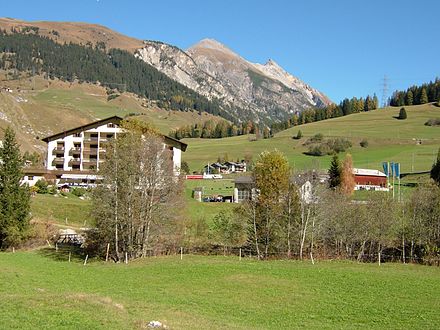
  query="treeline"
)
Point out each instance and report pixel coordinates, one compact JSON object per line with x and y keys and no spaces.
{"x":300,"y":217}
{"x":113,"y":68}
{"x":346,"y":107}
{"x":220,"y":129}
{"x":414,"y":95}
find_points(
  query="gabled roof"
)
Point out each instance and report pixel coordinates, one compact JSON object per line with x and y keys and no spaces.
{"x":368,"y":172}
{"x":114,"y":120}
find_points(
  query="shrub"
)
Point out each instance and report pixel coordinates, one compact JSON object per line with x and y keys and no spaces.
{"x":328,"y":147}
{"x":112,"y":96}
{"x":42,"y":186}
{"x":78,"y":192}
{"x":433,"y":122}
{"x":364,"y":143}
{"x":317,"y":138}
{"x":298,"y":136}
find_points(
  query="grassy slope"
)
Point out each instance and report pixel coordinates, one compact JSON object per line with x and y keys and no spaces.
{"x":389,"y":139}
{"x":38,"y":290}
{"x":55,"y":106}
{"x":66,"y":210}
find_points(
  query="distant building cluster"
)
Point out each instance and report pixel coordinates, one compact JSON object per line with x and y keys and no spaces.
{"x":225,"y":168}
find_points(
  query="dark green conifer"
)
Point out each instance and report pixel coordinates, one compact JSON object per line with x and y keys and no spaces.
{"x":14,"y":198}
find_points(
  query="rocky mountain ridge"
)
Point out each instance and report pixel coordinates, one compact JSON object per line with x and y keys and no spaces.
{"x":263,"y":93}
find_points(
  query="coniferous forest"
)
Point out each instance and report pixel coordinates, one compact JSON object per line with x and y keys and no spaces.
{"x":29,"y":52}
{"x":414,"y":95}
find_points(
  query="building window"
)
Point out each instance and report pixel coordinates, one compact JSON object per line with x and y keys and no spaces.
{"x":243,"y":195}
{"x":76,"y":134}
{"x":110,"y":125}
{"x":30,"y":177}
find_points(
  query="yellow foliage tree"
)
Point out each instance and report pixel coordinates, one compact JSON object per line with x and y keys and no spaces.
{"x":347,"y":178}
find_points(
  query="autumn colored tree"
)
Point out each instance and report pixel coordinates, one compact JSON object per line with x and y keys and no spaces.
{"x":271,"y":175}
{"x":347,"y":177}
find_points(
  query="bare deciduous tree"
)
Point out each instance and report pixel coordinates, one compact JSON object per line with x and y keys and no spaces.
{"x":138,"y":195}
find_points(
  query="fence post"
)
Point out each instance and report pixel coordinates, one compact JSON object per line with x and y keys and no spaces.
{"x":239,"y":258}
{"x":181,"y":253}
{"x":85,"y":260}
{"x":70,"y":253}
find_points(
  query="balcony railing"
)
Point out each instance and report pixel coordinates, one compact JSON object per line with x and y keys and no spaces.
{"x":74,"y":161}
{"x":90,"y":151}
{"x":58,"y":160}
{"x":91,"y":139}
{"x":58,"y":150}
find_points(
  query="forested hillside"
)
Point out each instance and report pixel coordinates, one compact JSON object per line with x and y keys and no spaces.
{"x":414,"y":95}
{"x":113,"y":68}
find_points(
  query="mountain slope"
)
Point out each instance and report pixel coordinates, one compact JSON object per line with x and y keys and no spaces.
{"x":263,"y":92}
{"x":77,"y":33}
{"x":409,"y":142}
{"x":36,"y":108}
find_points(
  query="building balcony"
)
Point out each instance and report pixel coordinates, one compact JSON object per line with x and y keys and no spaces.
{"x":90,"y":151}
{"x":75,"y":161}
{"x":90,"y":139}
{"x":57,"y":150}
{"x":58,"y":160}
{"x":75,"y":151}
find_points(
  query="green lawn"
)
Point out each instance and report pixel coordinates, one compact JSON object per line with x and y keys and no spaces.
{"x":389,"y":140}
{"x":66,"y":210}
{"x":37,"y":290}
{"x":207,"y":210}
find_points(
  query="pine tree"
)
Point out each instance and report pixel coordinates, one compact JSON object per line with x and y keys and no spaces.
{"x":14,"y":198}
{"x":335,"y":173}
{"x":435,"y":171}
{"x":409,"y":98}
{"x":402,"y":114}
{"x":423,"y":96}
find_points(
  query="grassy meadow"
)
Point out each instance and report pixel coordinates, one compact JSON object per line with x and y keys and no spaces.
{"x":65,"y":211}
{"x":40,"y":289}
{"x":389,"y":139}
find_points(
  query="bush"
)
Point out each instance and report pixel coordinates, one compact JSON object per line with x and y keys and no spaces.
{"x":328,"y":147}
{"x":338,"y":145}
{"x":364,"y":143}
{"x":433,"y":122}
{"x":298,"y":136}
{"x":112,"y":97}
{"x":42,"y":186}
{"x":78,"y":192}
{"x":317,"y":138}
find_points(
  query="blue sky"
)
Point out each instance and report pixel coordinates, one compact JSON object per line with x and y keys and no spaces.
{"x":341,"y":47}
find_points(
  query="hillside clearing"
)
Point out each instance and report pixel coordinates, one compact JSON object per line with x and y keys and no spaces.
{"x":388,"y":139}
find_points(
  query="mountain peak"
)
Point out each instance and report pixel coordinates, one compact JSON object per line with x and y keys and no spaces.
{"x":209,"y":43}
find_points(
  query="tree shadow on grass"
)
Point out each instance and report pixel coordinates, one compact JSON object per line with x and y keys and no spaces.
{"x":77,"y":254}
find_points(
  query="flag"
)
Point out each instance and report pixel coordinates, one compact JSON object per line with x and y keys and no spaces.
{"x":386,"y":168}
{"x":397,"y":170}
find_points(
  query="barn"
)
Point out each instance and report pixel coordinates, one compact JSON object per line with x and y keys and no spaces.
{"x":367,"y":179}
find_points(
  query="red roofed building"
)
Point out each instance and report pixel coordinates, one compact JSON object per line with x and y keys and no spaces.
{"x":370,"y":179}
